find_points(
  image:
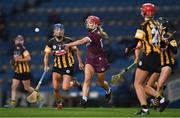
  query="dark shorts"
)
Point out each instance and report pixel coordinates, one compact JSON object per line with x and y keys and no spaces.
{"x":150,"y":63}
{"x":64,"y":71}
{"x":22,"y":76}
{"x":100,"y":63}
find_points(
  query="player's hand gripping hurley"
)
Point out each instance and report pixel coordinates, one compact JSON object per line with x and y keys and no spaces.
{"x":33,"y":97}
{"x":117,"y":77}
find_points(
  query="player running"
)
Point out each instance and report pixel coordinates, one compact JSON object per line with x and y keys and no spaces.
{"x":22,"y":72}
{"x":168,"y":47}
{"x":150,"y":62}
{"x":63,"y":62}
{"x":96,"y":60}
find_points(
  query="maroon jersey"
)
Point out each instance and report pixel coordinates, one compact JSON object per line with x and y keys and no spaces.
{"x":95,"y":46}
{"x":95,"y":52}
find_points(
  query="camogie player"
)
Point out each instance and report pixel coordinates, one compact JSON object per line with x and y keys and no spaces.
{"x":63,"y":62}
{"x":168,"y":48}
{"x":150,"y":62}
{"x":22,"y":72}
{"x":96,"y":60}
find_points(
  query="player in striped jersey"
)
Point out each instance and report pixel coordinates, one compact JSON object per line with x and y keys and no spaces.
{"x":150,"y":62}
{"x":63,"y":62}
{"x":168,"y":48}
{"x":22,"y":72}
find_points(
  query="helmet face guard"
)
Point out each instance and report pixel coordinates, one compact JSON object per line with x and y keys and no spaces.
{"x":165,"y":25}
{"x":148,"y":10}
{"x":92,"y":22}
{"x":58,"y":30}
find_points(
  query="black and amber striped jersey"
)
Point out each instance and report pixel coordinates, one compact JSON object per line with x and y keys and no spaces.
{"x":167,"y":54}
{"x":62,"y":58}
{"x":21,"y":66}
{"x":144,"y":33}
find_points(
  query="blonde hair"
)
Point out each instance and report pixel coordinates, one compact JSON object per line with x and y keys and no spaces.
{"x":102,"y":32}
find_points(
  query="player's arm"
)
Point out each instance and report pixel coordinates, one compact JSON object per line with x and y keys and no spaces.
{"x":137,"y":52}
{"x":78,"y":42}
{"x":132,"y":46}
{"x":47,"y":51}
{"x":78,"y":54}
{"x":26,"y":55}
{"x":140,"y":35}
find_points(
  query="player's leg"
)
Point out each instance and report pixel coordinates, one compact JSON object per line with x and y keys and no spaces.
{"x":162,"y":102}
{"x":165,"y":73}
{"x":66,"y":82}
{"x":14,"y":86}
{"x":105,"y":85}
{"x":149,"y":88}
{"x":140,"y":77}
{"x":27,"y":86}
{"x":152,"y":83}
{"x":152,"y":80}
{"x":56,"y":77}
{"x":89,"y":72}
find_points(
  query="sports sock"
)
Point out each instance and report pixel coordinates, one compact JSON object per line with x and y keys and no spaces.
{"x":84,"y":98}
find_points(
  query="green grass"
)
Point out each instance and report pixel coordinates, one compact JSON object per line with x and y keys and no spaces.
{"x":80,"y":112}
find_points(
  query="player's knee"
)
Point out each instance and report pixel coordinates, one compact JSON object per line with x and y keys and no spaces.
{"x":87,"y":81}
{"x":147,"y":85}
{"x":13,"y":87}
{"x":136,"y":84}
{"x":160,"y":84}
{"x":27,"y":88}
{"x":56,"y":90}
{"x":101,"y":82}
{"x":65,"y":88}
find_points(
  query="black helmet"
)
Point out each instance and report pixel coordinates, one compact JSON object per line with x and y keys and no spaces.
{"x":166,"y":24}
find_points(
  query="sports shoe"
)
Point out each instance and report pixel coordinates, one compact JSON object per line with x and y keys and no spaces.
{"x":83,"y":103}
{"x":12,"y":104}
{"x":59,"y":105}
{"x":155,"y":104}
{"x":77,"y":84}
{"x":9,"y":106}
{"x":108,"y":96}
{"x":163,"y":105}
{"x":142,"y":112}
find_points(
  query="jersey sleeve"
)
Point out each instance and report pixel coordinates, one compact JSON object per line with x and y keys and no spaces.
{"x":26,"y":53}
{"x":173,"y":43}
{"x":140,"y":34}
{"x":89,"y":37}
{"x":173,"y":46}
{"x":48,"y":47}
{"x":68,"y":39}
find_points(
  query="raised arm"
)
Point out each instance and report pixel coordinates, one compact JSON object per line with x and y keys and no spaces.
{"x":78,"y":42}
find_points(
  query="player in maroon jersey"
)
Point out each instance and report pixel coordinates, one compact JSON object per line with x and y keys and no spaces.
{"x":96,"y":60}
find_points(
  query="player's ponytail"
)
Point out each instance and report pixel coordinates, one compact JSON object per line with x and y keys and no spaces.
{"x":102,"y":32}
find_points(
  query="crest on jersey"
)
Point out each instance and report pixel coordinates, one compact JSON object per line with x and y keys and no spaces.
{"x":60,"y":47}
{"x":102,"y":69}
{"x":140,"y":63}
{"x":67,"y":71}
{"x":54,"y":46}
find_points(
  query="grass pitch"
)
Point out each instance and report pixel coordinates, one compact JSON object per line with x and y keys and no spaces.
{"x":80,"y":112}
